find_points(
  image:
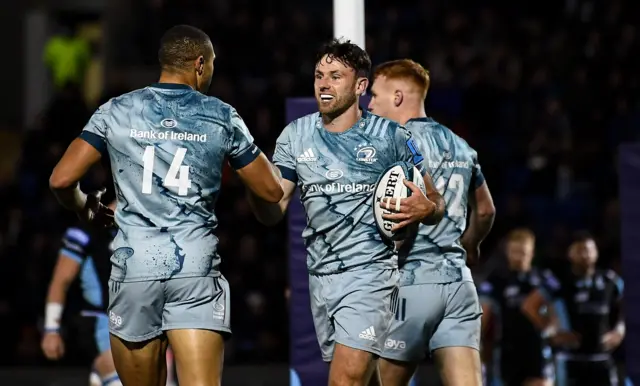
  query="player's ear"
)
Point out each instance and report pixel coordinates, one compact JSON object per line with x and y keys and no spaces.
{"x":199,"y":64}
{"x":398,"y":96}
{"x":361,"y":86}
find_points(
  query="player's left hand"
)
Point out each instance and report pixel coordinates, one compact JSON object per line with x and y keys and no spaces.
{"x":95,"y":212}
{"x":611,"y":340}
{"x":410,"y":210}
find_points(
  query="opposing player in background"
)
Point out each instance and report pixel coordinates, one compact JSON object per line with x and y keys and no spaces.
{"x":525,"y":358}
{"x":167,"y":144}
{"x":438,"y":307}
{"x":335,"y":157}
{"x":585,"y":321}
{"x":84,"y":255}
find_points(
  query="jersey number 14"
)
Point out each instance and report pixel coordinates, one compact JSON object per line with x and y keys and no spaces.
{"x":177,"y":175}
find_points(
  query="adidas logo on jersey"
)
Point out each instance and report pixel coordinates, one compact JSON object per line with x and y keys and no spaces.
{"x":307,"y":156}
{"x":368,"y":334}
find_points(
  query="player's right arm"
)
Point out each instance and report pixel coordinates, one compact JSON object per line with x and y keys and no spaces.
{"x":252,"y":166}
{"x":285,"y":167}
{"x":70,"y":259}
{"x":481,"y":218}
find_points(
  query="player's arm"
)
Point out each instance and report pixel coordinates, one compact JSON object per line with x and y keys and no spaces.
{"x":482,"y":214}
{"x":285,"y":167}
{"x":252,"y":166}
{"x":612,"y":339}
{"x":70,"y":258}
{"x":83,"y":153}
{"x":75,"y":163}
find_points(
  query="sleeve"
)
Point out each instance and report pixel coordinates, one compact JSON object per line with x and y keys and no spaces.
{"x":550,"y":286}
{"x":618,"y":286}
{"x":477,"y":178}
{"x":408,"y":150}
{"x":242,"y":150}
{"x":283,"y":156}
{"x":95,"y":131}
{"x":75,"y":243}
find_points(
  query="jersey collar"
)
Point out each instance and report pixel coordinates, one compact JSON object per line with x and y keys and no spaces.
{"x":171,"y":86}
{"x":421,"y":119}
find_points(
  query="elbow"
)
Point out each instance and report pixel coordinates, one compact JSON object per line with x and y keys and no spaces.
{"x":487,"y":211}
{"x":273,"y":195}
{"x":57,"y":181}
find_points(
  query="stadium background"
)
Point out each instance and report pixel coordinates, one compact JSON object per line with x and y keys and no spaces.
{"x":545,"y":90}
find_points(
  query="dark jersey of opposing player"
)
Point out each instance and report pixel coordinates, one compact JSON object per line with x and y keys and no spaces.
{"x":92,"y":250}
{"x":506,"y":293}
{"x":437,"y":255}
{"x":167,"y":145}
{"x":337,"y":173}
{"x":588,"y":306}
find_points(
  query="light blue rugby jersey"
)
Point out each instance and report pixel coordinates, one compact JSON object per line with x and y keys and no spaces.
{"x":167,"y":145}
{"x":336,"y":173}
{"x":436,"y":255}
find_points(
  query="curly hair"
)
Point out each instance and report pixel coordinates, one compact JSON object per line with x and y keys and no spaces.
{"x":348,"y":54}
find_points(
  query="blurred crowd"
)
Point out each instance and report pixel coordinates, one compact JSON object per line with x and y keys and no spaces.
{"x":544,"y":90}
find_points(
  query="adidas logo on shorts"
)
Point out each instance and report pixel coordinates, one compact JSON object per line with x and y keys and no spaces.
{"x":368,"y":334}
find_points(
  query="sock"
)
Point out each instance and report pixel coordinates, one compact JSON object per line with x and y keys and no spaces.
{"x":94,"y":379}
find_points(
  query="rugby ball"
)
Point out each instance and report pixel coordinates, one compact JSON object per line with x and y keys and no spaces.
{"x":391,"y":185}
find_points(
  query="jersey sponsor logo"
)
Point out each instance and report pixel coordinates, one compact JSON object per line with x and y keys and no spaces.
{"x":335,"y":187}
{"x":365,"y":153}
{"x":334,"y":174}
{"x":395,"y":344}
{"x":307,"y":156}
{"x":169,"y":123}
{"x":449,"y":164}
{"x":368,"y":334}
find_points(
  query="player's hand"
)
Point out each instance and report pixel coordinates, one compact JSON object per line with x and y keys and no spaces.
{"x":410,"y":210}
{"x":95,"y":212}
{"x":565,"y":339}
{"x":611,"y":340}
{"x":52,"y":346}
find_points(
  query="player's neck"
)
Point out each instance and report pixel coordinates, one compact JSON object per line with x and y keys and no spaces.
{"x":175,"y":78}
{"x":344,"y":121}
{"x":413,"y":112}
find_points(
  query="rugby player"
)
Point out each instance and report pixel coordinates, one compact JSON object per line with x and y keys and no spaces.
{"x":525,"y":358}
{"x":335,"y":157}
{"x":586,"y":322}
{"x":167,"y":144}
{"x":438,"y":309}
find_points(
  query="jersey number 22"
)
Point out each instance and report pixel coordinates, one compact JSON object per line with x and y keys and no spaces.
{"x":177,"y":175}
{"x":456,"y":186}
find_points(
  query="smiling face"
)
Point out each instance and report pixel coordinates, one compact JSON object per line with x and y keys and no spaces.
{"x":337,"y":86}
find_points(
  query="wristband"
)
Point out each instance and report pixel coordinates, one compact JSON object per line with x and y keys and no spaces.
{"x":549,"y":332}
{"x":52,"y":316}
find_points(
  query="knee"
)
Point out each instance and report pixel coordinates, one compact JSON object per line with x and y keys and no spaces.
{"x":351,"y":367}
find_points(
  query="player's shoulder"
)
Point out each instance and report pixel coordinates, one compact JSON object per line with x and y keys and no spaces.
{"x":305,"y":123}
{"x":611,"y":276}
{"x":379,"y":126}
{"x":550,"y":280}
{"x":127,"y":99}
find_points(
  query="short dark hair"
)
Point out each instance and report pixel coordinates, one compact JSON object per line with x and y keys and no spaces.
{"x":182,"y":44}
{"x":348,"y":54}
{"x":581,"y":236}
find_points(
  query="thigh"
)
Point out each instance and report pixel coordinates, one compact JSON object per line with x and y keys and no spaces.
{"x":197,"y":303}
{"x":460,"y":326}
{"x":140,"y":363}
{"x":363,"y":309}
{"x":459,"y":366}
{"x":320,"y":312}
{"x":418,"y":311}
{"x":135,"y":310}
{"x":199,"y":356}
